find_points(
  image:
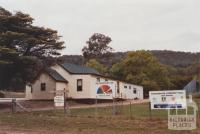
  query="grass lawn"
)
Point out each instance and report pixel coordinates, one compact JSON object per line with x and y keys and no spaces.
{"x":82,"y":121}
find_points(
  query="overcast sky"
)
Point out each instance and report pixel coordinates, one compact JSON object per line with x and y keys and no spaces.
{"x":132,"y":24}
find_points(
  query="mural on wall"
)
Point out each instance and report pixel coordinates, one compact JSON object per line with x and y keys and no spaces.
{"x":105,"y":90}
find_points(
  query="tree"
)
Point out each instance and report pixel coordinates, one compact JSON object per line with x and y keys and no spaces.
{"x":24,"y":48}
{"x":93,"y":63}
{"x":141,"y":67}
{"x":97,"y":46}
{"x":18,"y":33}
{"x":117,"y":70}
{"x":7,"y":55}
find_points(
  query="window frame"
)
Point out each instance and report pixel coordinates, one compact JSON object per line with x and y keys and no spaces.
{"x":98,"y":79}
{"x":79,"y":88}
{"x":134,"y":91}
{"x":118,"y":90}
{"x":31,"y":88}
{"x":43,"y":87}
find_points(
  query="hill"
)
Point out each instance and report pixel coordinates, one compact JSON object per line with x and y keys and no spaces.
{"x":172,"y":58}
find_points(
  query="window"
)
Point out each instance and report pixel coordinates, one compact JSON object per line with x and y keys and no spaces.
{"x":43,"y":86}
{"x":118,"y":87}
{"x":135,"y":91}
{"x":98,"y":79}
{"x":125,"y":86}
{"x":31,"y":89}
{"x":79,"y":85}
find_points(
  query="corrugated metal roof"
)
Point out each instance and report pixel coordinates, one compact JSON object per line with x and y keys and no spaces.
{"x":192,"y":87}
{"x":78,"y":69}
{"x":55,"y":75}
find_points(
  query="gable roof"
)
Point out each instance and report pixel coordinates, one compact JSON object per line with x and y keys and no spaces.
{"x":78,"y":69}
{"x":192,"y":86}
{"x":55,"y":75}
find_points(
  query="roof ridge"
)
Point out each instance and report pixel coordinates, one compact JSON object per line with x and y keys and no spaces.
{"x":55,"y":75}
{"x":78,"y":69}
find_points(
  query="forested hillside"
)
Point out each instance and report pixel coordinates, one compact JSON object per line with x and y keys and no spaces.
{"x":177,"y":59}
{"x":172,"y":58}
{"x":154,"y":70}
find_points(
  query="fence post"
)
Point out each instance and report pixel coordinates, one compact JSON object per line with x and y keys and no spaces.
{"x":198,"y":115}
{"x":130,"y":111}
{"x":67,"y":104}
{"x":64,"y":101}
{"x":13,"y":105}
{"x":114,"y":107}
{"x":96,"y":107}
{"x":150,"y":114}
{"x":54,"y":95}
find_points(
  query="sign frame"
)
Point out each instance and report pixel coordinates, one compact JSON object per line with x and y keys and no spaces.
{"x":59,"y":101}
{"x":168,"y":99}
{"x":109,"y":95}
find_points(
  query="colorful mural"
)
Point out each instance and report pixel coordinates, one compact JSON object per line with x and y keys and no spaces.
{"x":104,"y":89}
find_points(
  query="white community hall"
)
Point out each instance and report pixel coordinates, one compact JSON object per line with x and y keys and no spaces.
{"x":80,"y":82}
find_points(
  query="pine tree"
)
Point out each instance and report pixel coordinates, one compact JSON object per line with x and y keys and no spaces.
{"x":24,"y":47}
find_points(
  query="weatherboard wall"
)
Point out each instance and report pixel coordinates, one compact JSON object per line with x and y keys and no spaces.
{"x":125,"y":93}
{"x":37,"y":94}
{"x":89,"y":86}
{"x":72,"y":83}
{"x":128,"y":91}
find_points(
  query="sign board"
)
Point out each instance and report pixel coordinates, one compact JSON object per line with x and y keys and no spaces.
{"x":181,"y":122}
{"x":59,"y":101}
{"x":171,"y":99}
{"x":105,"y":90}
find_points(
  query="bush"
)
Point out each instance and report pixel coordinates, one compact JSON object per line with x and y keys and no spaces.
{"x":2,"y":95}
{"x":196,"y":95}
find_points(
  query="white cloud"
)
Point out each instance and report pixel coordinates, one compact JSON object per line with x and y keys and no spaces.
{"x":132,"y":24}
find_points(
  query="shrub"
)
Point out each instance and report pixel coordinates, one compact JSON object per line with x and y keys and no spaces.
{"x":196,"y":95}
{"x":2,"y":95}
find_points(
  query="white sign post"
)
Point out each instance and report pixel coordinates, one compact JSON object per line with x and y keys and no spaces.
{"x":59,"y":101}
{"x":184,"y":121}
{"x":172,"y":99}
